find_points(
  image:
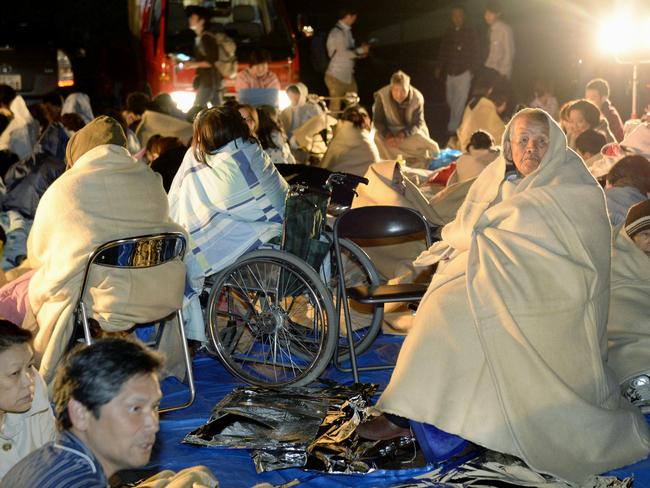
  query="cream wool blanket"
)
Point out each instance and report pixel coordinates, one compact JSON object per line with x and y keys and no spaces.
{"x":104,"y":196}
{"x":628,"y":328}
{"x":508,"y":344}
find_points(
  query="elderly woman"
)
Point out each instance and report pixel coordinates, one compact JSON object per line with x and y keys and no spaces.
{"x":508,"y":343}
{"x":227,"y":195}
{"x":103,"y":195}
{"x":26,"y":418}
{"x":352,"y":149}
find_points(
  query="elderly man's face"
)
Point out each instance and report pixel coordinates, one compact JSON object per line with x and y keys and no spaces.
{"x":529,"y":141}
{"x":642,"y":241}
{"x":124,"y":434}
{"x":399,"y":92}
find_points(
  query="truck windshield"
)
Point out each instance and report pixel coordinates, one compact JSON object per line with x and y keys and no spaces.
{"x":251,"y":23}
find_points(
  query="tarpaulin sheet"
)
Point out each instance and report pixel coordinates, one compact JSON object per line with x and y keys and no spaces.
{"x":234,"y":468}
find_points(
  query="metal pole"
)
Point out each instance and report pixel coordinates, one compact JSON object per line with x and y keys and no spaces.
{"x":634,"y":90}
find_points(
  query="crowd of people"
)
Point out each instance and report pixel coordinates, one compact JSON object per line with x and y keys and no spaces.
{"x":532,"y":339}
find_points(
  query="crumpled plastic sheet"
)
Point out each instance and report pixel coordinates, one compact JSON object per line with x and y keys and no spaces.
{"x":307,"y":427}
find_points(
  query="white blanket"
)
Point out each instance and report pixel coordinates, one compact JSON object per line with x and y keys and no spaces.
{"x":628,"y":328}
{"x":508,"y":344}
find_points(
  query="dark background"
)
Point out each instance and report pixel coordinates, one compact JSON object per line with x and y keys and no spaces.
{"x":555,"y":40}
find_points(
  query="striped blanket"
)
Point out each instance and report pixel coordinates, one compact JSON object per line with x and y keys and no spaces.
{"x":229,"y":205}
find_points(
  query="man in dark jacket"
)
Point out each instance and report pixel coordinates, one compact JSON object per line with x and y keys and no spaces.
{"x":458,"y":57}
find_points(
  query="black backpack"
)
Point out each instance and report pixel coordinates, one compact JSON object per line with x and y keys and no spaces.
{"x":320,"y":58}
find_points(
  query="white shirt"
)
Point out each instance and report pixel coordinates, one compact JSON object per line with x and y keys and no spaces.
{"x":22,"y":433}
{"x":340,"y":48}
{"x":502,"y":48}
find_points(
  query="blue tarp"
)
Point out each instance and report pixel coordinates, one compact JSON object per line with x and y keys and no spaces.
{"x":234,"y":468}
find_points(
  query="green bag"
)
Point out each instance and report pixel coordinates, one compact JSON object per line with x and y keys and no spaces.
{"x":304,"y":217}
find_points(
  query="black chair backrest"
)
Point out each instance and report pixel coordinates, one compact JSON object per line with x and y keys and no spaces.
{"x":381,"y":221}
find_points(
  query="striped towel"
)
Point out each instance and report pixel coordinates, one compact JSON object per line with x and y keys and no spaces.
{"x":229,"y":205}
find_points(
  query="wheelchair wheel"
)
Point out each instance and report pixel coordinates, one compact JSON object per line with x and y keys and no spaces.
{"x":271,"y":320}
{"x":366,"y":319}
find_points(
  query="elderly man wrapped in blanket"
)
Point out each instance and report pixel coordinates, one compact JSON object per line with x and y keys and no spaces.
{"x":104,"y":195}
{"x":508,"y":345}
{"x":228,"y":196}
{"x":628,"y":328}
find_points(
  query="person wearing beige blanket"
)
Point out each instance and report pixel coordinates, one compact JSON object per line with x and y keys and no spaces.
{"x":104,"y":195}
{"x":628,"y":327}
{"x":508,"y":345}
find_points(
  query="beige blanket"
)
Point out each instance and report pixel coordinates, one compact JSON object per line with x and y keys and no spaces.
{"x":628,"y":327}
{"x":351,"y":150}
{"x":508,"y":344}
{"x":104,"y":196}
{"x":153,"y":123}
{"x":397,"y":259}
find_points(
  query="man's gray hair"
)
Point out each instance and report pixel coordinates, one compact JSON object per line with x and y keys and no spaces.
{"x":400,"y":78}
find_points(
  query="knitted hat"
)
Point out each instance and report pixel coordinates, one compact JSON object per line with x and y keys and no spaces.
{"x":638,"y":218}
{"x":102,"y":130}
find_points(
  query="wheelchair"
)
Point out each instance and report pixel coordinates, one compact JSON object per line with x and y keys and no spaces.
{"x":273,"y":316}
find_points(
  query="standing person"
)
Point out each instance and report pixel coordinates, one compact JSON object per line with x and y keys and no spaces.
{"x":339,"y":76}
{"x":502,"y":41}
{"x":208,"y":81}
{"x":597,"y":91}
{"x":457,"y":58}
{"x":398,"y":116}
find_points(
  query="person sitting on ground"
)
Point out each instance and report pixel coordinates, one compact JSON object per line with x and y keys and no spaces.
{"x":301,"y":109}
{"x":597,"y":92}
{"x":78,"y":103}
{"x":628,"y":183}
{"x":352,"y":149}
{"x":20,"y":135}
{"x":26,"y":418}
{"x":303,"y":121}
{"x":483,"y":112}
{"x":165,"y":155}
{"x":272,"y":137}
{"x":249,"y":114}
{"x":589,"y":144}
{"x":106,"y":399}
{"x":628,"y":325}
{"x":520,"y":298}
{"x":398,"y":117}
{"x":584,"y":115}
{"x":257,"y":75}
{"x":544,"y":99}
{"x":228,"y":196}
{"x":479,"y":152}
{"x":103,"y":195}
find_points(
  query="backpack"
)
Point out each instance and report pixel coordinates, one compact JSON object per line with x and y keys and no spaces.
{"x":320,"y":58}
{"x":227,"y":64}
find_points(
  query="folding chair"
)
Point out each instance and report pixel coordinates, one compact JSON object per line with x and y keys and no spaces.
{"x":134,"y":253}
{"x":375,"y":223}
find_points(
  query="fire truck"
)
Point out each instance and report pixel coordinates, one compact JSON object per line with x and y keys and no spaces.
{"x":167,"y":42}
